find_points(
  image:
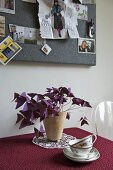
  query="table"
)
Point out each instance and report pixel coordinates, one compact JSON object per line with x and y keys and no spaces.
{"x":19,"y":153}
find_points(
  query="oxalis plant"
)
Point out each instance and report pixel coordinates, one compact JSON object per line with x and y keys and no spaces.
{"x":40,"y":106}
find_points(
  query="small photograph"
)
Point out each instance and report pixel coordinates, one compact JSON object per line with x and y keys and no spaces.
{"x":8,"y":49}
{"x":86,"y":45}
{"x":25,"y":34}
{"x":2,"y":26}
{"x":7,"y":6}
{"x":82,"y":11}
{"x":46,"y":49}
{"x":57,"y":19}
{"x":52,"y":20}
{"x":30,"y":35}
{"x":18,"y":33}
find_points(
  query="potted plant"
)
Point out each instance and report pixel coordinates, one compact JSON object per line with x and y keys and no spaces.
{"x":52,"y":108}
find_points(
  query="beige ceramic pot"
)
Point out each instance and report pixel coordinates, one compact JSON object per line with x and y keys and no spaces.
{"x":54,"y":126}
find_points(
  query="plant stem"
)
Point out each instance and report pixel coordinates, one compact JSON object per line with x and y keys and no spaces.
{"x":72,"y":109}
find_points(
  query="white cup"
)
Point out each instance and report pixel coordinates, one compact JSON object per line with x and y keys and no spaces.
{"x":81,"y":152}
{"x":82,"y":147}
{"x":86,"y":141}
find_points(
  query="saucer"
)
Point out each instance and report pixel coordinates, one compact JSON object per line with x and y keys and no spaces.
{"x":92,"y":156}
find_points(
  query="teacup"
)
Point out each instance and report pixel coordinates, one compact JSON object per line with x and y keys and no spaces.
{"x":86,"y":141}
{"x":81,"y":152}
{"x":82,"y":147}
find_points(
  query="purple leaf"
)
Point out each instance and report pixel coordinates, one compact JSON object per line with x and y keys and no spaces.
{"x":16,"y":95}
{"x":41,"y":129}
{"x":66,"y":91}
{"x":39,"y":132}
{"x":33,"y":105}
{"x":19,"y":118}
{"x":71,"y":95}
{"x":36,"y":114}
{"x":68,"y":116}
{"x":69,"y":89}
{"x":32,"y":95}
{"x":81,"y":118}
{"x":80,"y":102}
{"x":84,"y":122}
{"x":86,"y":104}
{"x":48,"y":89}
{"x":45,"y":102}
{"x":20,"y":101}
{"x":52,"y":111}
{"x":27,"y":114}
{"x":48,"y":95}
{"x":25,"y":107}
{"x":41,"y":107}
{"x":36,"y":132}
{"x":25,"y":123}
{"x":55,"y":90}
{"x":42,"y":117}
{"x":45,"y":113}
{"x":40,"y":97}
{"x":62,"y":100}
{"x":77,"y":101}
{"x":23,"y":94}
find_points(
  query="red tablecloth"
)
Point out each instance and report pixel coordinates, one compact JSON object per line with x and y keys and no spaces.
{"x":19,"y":153}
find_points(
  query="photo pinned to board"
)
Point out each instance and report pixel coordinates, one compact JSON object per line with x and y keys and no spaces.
{"x":59,"y":19}
{"x":25,"y":35}
{"x":46,"y":49}
{"x":86,"y":45}
{"x":82,"y":11}
{"x":8,"y":49}
{"x":2,"y":26}
{"x":7,"y":6}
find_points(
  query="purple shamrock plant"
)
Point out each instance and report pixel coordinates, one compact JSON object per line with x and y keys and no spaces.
{"x":40,"y":106}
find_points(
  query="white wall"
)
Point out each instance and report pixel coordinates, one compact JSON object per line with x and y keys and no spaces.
{"x":94,"y":84}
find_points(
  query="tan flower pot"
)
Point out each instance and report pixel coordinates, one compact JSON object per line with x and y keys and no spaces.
{"x":54,"y":126}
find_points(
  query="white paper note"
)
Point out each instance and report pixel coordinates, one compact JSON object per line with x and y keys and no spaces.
{"x":57,"y":22}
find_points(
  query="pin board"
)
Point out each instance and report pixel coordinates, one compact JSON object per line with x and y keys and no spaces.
{"x":63,"y":51}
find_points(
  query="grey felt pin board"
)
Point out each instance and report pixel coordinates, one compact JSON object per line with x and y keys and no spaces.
{"x":63,"y":51}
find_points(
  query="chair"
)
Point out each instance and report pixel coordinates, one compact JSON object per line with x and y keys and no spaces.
{"x":104,"y":119}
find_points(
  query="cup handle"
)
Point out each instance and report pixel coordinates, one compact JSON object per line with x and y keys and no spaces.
{"x":95,"y":138}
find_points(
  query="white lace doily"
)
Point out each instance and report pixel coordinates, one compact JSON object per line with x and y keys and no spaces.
{"x":45,"y":143}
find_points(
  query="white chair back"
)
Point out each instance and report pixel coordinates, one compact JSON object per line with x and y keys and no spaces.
{"x":104,"y":119}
